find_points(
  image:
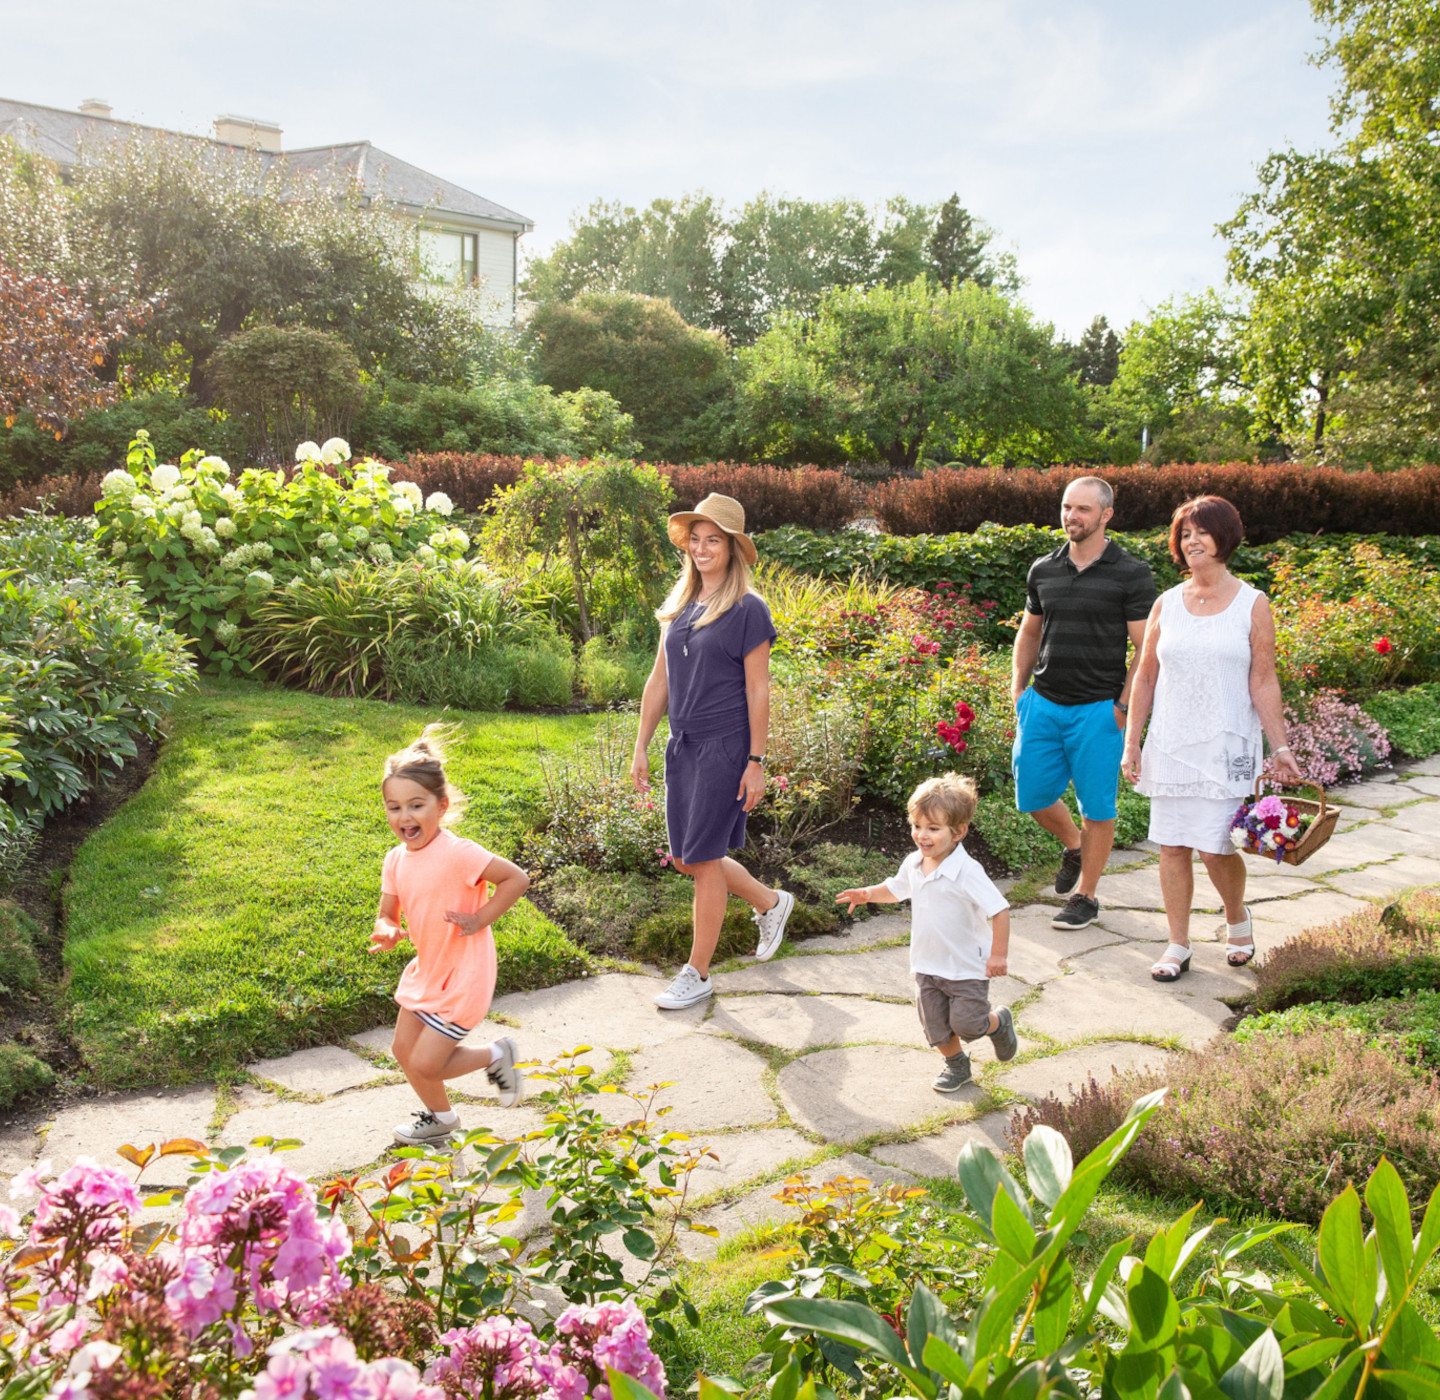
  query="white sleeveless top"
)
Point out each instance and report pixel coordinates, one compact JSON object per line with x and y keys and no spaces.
{"x":1205,"y":735}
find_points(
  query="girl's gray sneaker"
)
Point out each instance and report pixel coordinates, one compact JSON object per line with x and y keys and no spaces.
{"x":1003,"y":1037}
{"x":422,"y":1129}
{"x":955,"y":1075}
{"x":771,"y":923}
{"x":687,"y":988}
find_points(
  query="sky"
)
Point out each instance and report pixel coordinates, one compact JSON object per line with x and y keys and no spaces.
{"x":1102,"y":139}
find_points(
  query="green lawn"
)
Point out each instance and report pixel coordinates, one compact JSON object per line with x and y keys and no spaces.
{"x":224,"y":912}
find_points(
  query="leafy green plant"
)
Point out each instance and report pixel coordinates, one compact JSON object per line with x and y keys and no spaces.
{"x":827,"y":867}
{"x":539,"y":674}
{"x":22,"y":1073}
{"x":601,"y":909}
{"x":19,"y":967}
{"x":1135,"y":1328}
{"x":666,"y":937}
{"x":1409,"y":1026}
{"x":608,"y":674}
{"x":208,"y":553}
{"x":1411,"y":718}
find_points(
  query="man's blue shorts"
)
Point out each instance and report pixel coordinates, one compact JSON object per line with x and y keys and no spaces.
{"x":1058,"y":744}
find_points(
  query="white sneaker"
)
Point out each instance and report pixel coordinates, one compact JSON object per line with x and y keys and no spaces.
{"x":508,"y":1081}
{"x":424,"y":1128}
{"x":771,"y":923}
{"x":688,"y":988}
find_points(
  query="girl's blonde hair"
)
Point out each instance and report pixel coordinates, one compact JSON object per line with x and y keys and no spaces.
{"x":423,"y":762}
{"x":687,"y":588}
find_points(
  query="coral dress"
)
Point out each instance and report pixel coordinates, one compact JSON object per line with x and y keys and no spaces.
{"x":452,"y":974}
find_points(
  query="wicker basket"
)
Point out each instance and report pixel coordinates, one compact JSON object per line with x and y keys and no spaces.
{"x":1315,"y":835}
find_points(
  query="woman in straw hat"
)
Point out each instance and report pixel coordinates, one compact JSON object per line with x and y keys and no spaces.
{"x":712,"y":675}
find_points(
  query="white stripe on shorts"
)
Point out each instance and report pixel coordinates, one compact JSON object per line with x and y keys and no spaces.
{"x":438,"y":1023}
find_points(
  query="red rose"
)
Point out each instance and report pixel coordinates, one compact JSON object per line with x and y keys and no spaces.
{"x":1384,"y":647}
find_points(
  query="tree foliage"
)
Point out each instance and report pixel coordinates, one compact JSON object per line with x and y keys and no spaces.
{"x":638,"y":349}
{"x":897,"y":374}
{"x":731,"y":271}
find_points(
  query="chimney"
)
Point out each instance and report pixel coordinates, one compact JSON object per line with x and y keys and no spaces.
{"x":96,"y":107}
{"x":248,"y":131}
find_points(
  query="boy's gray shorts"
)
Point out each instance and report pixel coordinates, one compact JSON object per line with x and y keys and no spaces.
{"x":951,"y":1008}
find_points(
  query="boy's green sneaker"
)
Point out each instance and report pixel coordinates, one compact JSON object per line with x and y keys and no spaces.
{"x":955,"y":1075}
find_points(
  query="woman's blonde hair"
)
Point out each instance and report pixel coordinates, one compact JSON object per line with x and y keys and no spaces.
{"x":687,"y":588}
{"x":423,"y":762}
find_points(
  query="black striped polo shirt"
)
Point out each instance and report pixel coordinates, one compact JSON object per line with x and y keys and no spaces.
{"x":1084,"y":615}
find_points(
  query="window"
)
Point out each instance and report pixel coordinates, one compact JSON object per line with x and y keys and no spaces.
{"x":448,"y":257}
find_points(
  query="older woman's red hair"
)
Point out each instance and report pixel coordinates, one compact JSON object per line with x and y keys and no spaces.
{"x":1213,"y":514}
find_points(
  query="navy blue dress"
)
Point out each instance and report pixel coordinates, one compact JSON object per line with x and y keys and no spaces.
{"x":709,"y":742}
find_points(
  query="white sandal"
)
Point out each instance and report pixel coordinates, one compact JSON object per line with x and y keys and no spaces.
{"x":1246,"y":949}
{"x":1172,"y":964}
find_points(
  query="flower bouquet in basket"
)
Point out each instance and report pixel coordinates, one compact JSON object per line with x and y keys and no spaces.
{"x":1286,"y":829}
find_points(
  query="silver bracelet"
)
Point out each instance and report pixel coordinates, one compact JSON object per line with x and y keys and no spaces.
{"x":1284,"y":748}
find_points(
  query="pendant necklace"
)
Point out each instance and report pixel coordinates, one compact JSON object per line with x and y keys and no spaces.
{"x":690,"y":623}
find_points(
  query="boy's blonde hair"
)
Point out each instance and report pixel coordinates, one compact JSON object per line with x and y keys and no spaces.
{"x":950,"y":797}
{"x":423,"y":762}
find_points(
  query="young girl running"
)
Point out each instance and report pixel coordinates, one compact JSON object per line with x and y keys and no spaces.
{"x":440,"y":883}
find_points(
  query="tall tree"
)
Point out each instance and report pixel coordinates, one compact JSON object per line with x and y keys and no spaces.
{"x":1097,"y":356}
{"x":897,"y":374}
{"x":956,"y":247}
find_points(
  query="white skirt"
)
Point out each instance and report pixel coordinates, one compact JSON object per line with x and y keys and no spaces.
{"x":1202,"y":823}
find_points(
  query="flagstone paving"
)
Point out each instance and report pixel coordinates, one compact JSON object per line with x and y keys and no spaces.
{"x":814,"y":1061}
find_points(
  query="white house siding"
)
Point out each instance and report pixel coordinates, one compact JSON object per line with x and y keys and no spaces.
{"x":497,"y":270}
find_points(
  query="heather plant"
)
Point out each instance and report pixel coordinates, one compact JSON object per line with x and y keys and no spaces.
{"x":1276,"y":1123}
{"x":1334,"y":740}
{"x":208,"y":552}
{"x":1375,"y":952}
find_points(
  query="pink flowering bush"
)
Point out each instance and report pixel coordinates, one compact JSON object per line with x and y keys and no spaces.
{"x":1334,"y":740}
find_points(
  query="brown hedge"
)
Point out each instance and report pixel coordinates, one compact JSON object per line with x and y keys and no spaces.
{"x":1273,"y":501}
{"x":66,"y":495}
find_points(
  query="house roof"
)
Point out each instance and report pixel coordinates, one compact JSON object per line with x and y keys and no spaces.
{"x":60,"y":135}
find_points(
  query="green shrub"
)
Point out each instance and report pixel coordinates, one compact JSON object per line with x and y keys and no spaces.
{"x":1407,"y":1026}
{"x":500,"y":414}
{"x":539,"y":674}
{"x":1411,"y":718}
{"x":591,"y":814}
{"x":21,"y":1074}
{"x":1375,"y":952}
{"x":829,"y":867}
{"x":208,"y":553}
{"x":600,"y":909}
{"x":86,"y":671}
{"x":1276,"y":1123}
{"x":332,"y":631}
{"x":19,"y":967}
{"x":608,"y":675}
{"x":664,"y":937}
{"x":98,"y":442}
{"x":429,"y":673}
{"x":1018,"y":841}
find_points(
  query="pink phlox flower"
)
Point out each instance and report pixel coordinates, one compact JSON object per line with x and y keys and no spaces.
{"x":301,"y":1261}
{"x":107,"y":1272}
{"x":9,"y":1223}
{"x":31,"y":1181}
{"x":337,"y":1373}
{"x":616,"y":1336}
{"x":395,"y":1379}
{"x":285,"y":1378}
{"x":201,"y":1293}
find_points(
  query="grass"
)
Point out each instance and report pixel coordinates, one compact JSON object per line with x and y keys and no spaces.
{"x":224,"y":913}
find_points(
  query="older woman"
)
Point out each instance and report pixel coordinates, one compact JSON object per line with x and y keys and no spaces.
{"x":712,"y":674}
{"x":1208,"y":666}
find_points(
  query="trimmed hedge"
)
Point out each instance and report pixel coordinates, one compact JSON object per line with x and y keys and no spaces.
{"x":1273,"y":501}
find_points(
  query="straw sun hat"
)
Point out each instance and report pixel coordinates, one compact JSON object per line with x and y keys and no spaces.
{"x":724,"y":511}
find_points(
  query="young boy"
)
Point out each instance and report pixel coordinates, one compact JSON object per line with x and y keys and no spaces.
{"x":959,"y":928}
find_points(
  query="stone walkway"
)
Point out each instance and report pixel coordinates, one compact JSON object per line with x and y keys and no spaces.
{"x":814,"y":1060}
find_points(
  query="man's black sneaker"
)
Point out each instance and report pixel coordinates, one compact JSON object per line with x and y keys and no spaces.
{"x":1069,"y":874}
{"x":1080,"y":911}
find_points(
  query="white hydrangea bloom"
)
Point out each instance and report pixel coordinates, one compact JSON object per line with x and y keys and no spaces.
{"x":457,"y":537}
{"x":262,"y":551}
{"x":439,"y":502}
{"x":380,"y":470}
{"x":179,"y":492}
{"x":409,"y":491}
{"x":361,"y":534}
{"x":193,"y":531}
{"x":439,"y":539}
{"x":118,"y":485}
{"x":328,"y":540}
{"x":214,"y":466}
{"x":308,"y":452}
{"x":164,"y":477}
{"x":317,"y":562}
{"x":230,"y":493}
{"x":192,"y":517}
{"x":117,"y":550}
{"x":175,"y":511}
{"x":381,"y":552}
{"x":225,"y":528}
{"x":426,"y":555}
{"x":403,"y":505}
{"x":259,"y":581}
{"x":208,"y":542}
{"x":235,"y":558}
{"x":226,"y":632}
{"x":145,"y":510}
{"x":334,"y":451}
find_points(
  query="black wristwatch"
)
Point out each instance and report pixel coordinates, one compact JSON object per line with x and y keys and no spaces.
{"x":758,"y":758}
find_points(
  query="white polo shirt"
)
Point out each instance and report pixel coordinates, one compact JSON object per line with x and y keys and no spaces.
{"x":950,"y":913}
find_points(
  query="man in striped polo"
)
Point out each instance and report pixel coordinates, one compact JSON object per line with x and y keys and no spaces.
{"x":1084,"y":603}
